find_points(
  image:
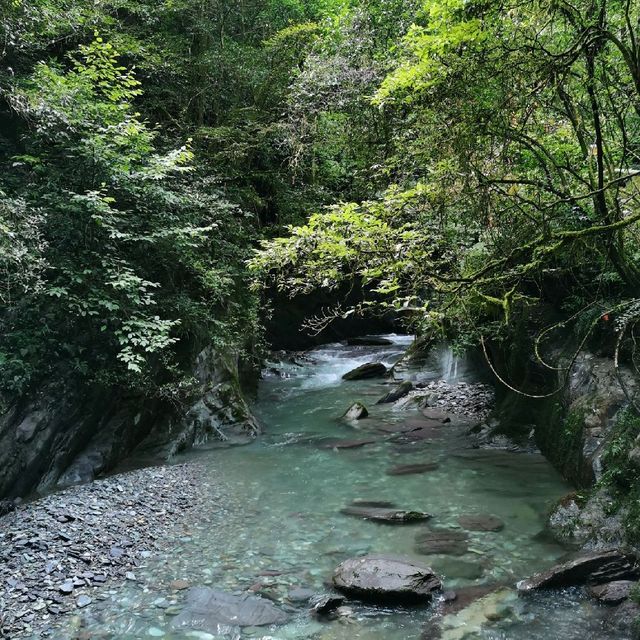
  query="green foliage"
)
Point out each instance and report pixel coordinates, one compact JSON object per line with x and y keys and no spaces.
{"x":511,"y":133}
{"x":621,"y":472}
{"x":114,"y":249}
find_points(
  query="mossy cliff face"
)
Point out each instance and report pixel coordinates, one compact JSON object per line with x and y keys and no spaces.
{"x":591,"y":434}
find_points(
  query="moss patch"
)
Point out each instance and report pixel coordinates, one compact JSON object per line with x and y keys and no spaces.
{"x":621,"y":474}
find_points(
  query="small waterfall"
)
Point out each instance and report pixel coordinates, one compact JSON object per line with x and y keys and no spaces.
{"x":448,"y":364}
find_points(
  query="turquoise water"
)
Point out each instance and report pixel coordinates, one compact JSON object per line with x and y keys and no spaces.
{"x":275,"y":509}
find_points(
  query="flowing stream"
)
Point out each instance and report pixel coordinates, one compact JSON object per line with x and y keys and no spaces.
{"x":274,"y":524}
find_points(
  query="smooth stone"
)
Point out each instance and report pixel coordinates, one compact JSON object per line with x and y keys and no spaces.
{"x":481,"y":522}
{"x":365,"y":371}
{"x":612,"y":592}
{"x":368,"y":341}
{"x":386,"y":578}
{"x":593,"y":568}
{"x":357,"y":411}
{"x":207,"y":609}
{"x":454,"y":543}
{"x":83,"y":601}
{"x":397,"y":516}
{"x":409,"y":469}
{"x":154,"y":632}
{"x":397,"y":392}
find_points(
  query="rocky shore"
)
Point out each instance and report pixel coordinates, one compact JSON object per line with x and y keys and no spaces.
{"x":59,"y":553}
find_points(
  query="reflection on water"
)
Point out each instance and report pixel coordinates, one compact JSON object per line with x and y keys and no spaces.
{"x":274,"y":522}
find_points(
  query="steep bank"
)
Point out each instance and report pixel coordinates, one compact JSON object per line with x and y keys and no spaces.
{"x":59,"y":438}
{"x":589,"y":431}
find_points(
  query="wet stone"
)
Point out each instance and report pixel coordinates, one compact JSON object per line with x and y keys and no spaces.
{"x":207,"y":609}
{"x":446,"y":542}
{"x":397,"y":392}
{"x":592,"y":568}
{"x":481,"y":522}
{"x":397,"y":516}
{"x":386,"y":578}
{"x":336,"y":443}
{"x":357,"y":411}
{"x":365,"y":371}
{"x":612,"y":592}
{"x":325,"y":603}
{"x":410,"y":469}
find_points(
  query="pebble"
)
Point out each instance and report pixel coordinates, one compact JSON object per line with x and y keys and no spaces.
{"x":83,"y":601}
{"x":87,"y":537}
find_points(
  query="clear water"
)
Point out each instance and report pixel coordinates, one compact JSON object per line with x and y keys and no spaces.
{"x":275,"y":507}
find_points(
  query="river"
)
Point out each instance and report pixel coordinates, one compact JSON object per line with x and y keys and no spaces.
{"x":274,"y":525}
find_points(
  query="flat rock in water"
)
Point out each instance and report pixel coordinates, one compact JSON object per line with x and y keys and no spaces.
{"x":357,"y":411}
{"x":368,"y":341}
{"x":397,"y":392}
{"x":338,"y":443}
{"x":380,"y":514}
{"x":208,"y":609}
{"x":410,"y":469}
{"x":588,"y":568}
{"x":612,"y":592}
{"x":386,"y":578}
{"x":454,"y":543}
{"x":481,"y":522}
{"x":364,"y":371}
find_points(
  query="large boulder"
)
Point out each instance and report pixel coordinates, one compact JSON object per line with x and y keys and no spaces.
{"x":365,"y":371}
{"x":588,"y":568}
{"x":214,"y":611}
{"x":386,"y":578}
{"x":357,"y":411}
{"x":397,"y":392}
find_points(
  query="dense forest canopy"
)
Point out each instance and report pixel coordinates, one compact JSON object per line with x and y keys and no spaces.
{"x":464,"y":159}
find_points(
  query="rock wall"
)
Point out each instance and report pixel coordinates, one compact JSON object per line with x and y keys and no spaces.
{"x":591,"y":434}
{"x":53,"y":439}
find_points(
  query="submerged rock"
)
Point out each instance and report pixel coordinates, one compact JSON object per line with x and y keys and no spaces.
{"x":208,"y":610}
{"x":364,"y":371}
{"x":324,"y":604}
{"x":369,"y":341}
{"x":357,"y":411}
{"x":410,"y":469}
{"x":481,"y":522}
{"x":340,"y":443}
{"x":386,"y":578}
{"x":397,"y":392}
{"x":590,"y":568}
{"x":381,"y":514}
{"x":454,"y":543}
